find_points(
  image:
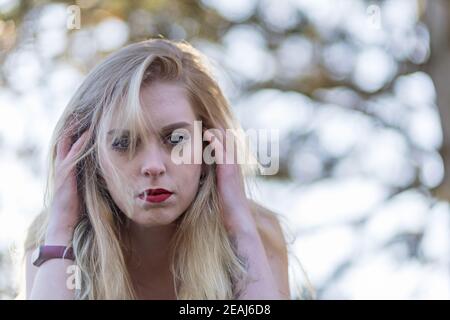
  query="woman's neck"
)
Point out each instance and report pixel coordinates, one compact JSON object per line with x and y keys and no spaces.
{"x":150,"y":247}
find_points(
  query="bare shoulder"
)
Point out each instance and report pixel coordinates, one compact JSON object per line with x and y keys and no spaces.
{"x":274,"y":243}
{"x":268,"y":226}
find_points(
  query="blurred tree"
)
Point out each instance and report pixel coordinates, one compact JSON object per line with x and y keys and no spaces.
{"x":438,"y":66}
{"x":354,"y":56}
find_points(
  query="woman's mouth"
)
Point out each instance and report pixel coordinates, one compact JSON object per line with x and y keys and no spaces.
{"x":155,"y":195}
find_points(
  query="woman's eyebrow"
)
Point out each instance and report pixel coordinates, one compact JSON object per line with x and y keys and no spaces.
{"x":114,"y":130}
{"x":176,"y":125}
{"x":170,"y":127}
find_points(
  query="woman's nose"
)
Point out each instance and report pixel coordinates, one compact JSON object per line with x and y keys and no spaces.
{"x":153,"y":164}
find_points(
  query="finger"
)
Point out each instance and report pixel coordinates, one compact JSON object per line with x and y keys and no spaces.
{"x":77,"y":145}
{"x":71,"y":126}
{"x":63,"y":146}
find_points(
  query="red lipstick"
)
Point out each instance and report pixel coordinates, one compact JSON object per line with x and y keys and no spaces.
{"x":155,"y":195}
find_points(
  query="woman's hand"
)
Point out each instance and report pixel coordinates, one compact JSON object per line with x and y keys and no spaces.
{"x":237,"y":216}
{"x":65,"y":210}
{"x":240,"y":224}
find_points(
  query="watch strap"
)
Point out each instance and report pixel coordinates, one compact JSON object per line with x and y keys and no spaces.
{"x":47,"y":252}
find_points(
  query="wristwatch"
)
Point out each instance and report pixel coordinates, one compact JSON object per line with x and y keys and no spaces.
{"x":44,"y":253}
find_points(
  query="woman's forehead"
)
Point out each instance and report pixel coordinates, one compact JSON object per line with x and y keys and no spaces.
{"x":163,"y":105}
{"x":164,"y":101}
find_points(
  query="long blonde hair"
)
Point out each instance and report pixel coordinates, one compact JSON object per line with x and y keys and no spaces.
{"x":204,"y":262}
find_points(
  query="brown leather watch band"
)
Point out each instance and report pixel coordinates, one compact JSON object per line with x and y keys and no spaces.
{"x":46,"y":252}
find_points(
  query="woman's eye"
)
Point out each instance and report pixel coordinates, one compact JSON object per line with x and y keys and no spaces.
{"x":120,"y":144}
{"x":176,"y":138}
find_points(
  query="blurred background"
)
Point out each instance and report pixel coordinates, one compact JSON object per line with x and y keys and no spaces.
{"x":357,"y":89}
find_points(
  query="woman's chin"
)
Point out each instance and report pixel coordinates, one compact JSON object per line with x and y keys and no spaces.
{"x":155,"y":218}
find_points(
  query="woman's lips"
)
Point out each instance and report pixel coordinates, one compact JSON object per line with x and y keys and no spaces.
{"x":155,"y":195}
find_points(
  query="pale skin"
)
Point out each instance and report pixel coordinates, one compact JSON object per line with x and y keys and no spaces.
{"x":152,"y":227}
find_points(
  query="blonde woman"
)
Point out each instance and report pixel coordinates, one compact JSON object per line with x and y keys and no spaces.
{"x":122,"y":220}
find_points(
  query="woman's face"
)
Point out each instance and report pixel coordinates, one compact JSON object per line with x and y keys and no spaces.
{"x":151,"y":167}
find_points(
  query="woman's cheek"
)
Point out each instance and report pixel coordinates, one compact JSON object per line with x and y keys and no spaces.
{"x":191,"y":178}
{"x":118,"y":196}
